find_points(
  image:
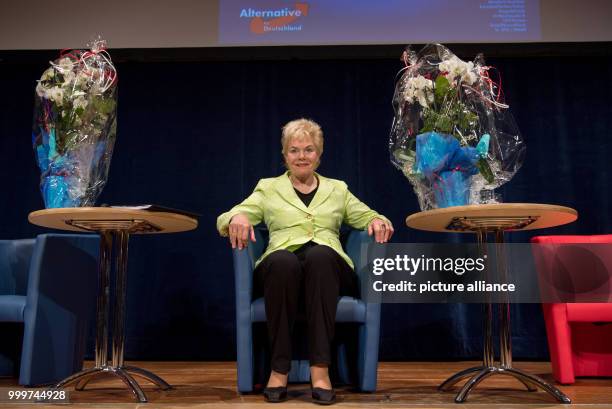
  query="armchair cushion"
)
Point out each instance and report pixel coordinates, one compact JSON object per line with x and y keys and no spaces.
{"x":349,"y":310}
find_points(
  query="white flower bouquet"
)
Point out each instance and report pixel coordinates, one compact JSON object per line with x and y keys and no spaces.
{"x":452,"y":136}
{"x":74,"y":127}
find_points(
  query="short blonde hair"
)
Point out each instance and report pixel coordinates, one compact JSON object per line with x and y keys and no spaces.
{"x":300,"y":129}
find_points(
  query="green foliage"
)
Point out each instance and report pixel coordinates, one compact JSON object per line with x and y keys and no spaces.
{"x":103,"y":105}
{"x":485,"y":170}
{"x":449,"y":114}
{"x":441,"y":89}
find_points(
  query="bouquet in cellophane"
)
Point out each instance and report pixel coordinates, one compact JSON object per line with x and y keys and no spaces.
{"x":74,"y":127}
{"x":452,"y":136}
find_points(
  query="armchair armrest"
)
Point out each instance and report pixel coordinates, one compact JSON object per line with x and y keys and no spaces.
{"x":369,"y":333}
{"x":357,"y":249}
{"x":244,"y":264}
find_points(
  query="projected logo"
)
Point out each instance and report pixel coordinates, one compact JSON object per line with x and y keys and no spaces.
{"x":272,"y":20}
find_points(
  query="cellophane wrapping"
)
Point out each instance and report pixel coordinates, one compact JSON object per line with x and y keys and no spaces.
{"x":452,"y":136}
{"x":74,"y":126}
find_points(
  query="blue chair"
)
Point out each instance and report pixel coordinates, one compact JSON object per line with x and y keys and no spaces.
{"x":357,"y":331}
{"x":47,"y":294}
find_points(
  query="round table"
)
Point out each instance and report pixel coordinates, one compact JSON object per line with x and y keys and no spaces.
{"x":494,"y":219}
{"x":114,"y":226}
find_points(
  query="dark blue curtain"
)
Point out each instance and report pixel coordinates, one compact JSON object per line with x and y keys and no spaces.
{"x":198,"y":136}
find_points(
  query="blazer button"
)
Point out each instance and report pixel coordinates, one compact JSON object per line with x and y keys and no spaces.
{"x":309,"y":216}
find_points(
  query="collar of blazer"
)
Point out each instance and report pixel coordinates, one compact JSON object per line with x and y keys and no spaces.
{"x":285,"y":188}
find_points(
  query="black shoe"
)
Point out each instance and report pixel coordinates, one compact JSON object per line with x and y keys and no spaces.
{"x":276,"y":394}
{"x":323,"y":396}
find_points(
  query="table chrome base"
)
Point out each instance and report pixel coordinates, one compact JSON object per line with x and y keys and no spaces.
{"x":81,"y":379}
{"x":112,"y":233}
{"x":480,"y":373}
{"x":482,"y":227}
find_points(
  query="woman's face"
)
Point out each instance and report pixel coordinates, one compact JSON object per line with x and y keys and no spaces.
{"x":301,"y":157}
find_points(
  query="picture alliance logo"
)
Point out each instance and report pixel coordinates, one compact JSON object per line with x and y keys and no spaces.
{"x":413,"y":265}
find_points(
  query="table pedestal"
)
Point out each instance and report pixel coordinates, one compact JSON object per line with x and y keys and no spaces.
{"x":482,"y":226}
{"x":116,"y":231}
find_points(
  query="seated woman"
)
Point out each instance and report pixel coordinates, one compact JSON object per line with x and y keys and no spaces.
{"x":303,"y":212}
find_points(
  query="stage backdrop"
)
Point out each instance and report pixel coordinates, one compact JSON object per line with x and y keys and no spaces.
{"x":198,"y":136}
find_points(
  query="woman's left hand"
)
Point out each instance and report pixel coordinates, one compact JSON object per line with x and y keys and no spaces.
{"x":381,"y":229}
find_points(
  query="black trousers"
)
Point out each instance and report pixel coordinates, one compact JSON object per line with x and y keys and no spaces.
{"x":312,"y":278}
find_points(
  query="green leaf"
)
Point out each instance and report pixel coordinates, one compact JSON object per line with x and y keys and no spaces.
{"x":441,"y":88}
{"x":443,"y":124}
{"x":485,"y":170}
{"x":104,"y":105}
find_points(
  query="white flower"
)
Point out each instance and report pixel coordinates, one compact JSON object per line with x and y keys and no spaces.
{"x":68,"y":78}
{"x":80,"y":102}
{"x":65,"y":65}
{"x":419,"y":89}
{"x":56,"y":94}
{"x":82,"y":79}
{"x":470,"y":78}
{"x":455,"y":69}
{"x":48,"y":74}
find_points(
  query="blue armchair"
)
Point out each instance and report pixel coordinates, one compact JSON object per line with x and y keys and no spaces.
{"x":356,"y":343}
{"x":47,"y":293}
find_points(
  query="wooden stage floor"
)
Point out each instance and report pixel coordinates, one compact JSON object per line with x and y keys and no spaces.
{"x":400,"y":384}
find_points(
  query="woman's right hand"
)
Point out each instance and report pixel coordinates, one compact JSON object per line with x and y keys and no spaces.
{"x":239,"y":231}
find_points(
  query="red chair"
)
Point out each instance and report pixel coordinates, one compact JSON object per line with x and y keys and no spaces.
{"x":579,"y":334}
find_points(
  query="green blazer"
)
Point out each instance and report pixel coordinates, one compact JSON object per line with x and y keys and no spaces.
{"x":292,"y":224}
